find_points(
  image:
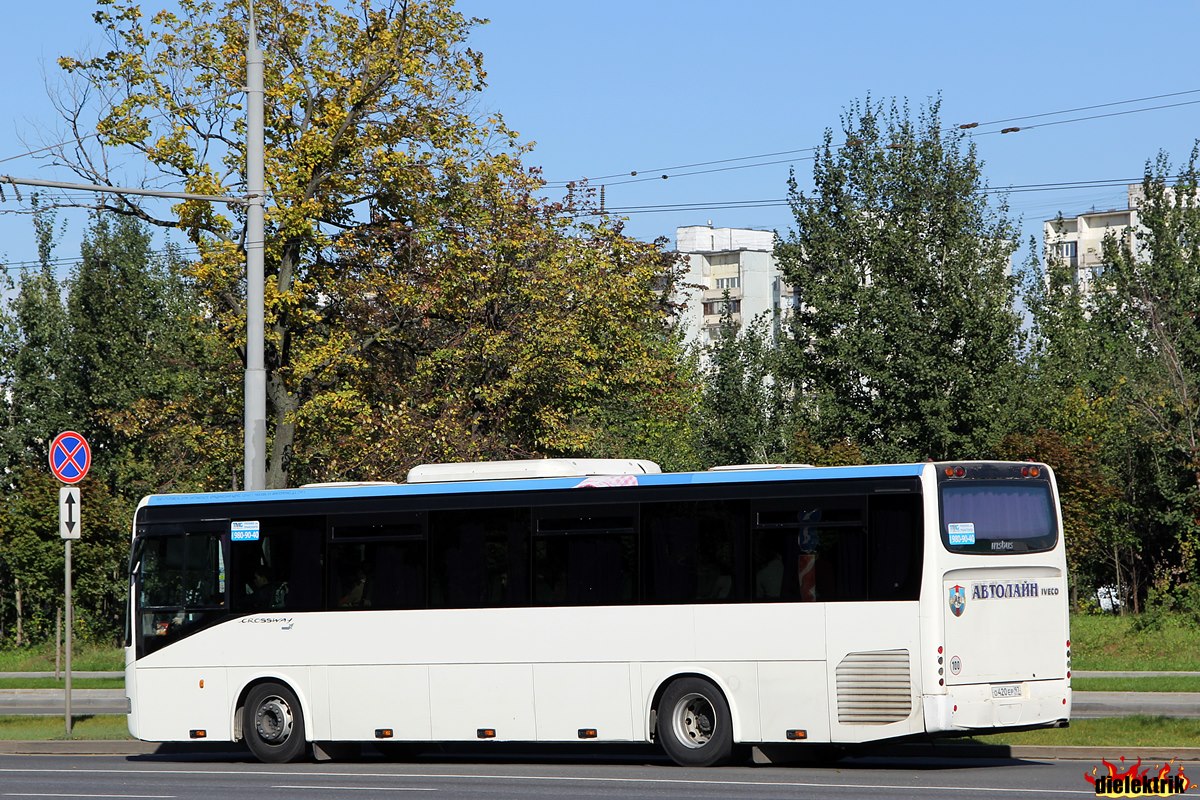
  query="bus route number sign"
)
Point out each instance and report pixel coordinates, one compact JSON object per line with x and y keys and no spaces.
{"x":244,"y":531}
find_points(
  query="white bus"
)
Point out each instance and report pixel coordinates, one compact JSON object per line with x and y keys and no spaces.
{"x":603,"y":601}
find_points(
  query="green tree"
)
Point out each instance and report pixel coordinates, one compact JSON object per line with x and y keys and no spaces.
{"x":34,"y":360}
{"x":905,"y":339}
{"x":742,"y":403}
{"x":369,"y":122}
{"x":119,"y":353}
{"x":146,"y":365}
{"x":1145,"y":304}
{"x":420,"y":297}
{"x":1151,"y":290}
{"x":39,"y":404}
{"x":518,"y":331}
{"x":1114,"y":360}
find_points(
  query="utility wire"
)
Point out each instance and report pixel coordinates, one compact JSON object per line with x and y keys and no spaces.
{"x":557,"y":184}
{"x":71,"y":261}
{"x":971,"y":126}
{"x":94,"y":134}
{"x":1084,"y":119}
{"x":779,"y":202}
{"x":1088,"y":108}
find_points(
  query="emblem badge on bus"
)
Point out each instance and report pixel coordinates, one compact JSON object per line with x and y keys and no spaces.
{"x":958,"y":600}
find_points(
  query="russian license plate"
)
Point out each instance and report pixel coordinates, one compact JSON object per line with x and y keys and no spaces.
{"x":1006,"y":691}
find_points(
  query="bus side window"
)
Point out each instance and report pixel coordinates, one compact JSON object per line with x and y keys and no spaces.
{"x":397,"y":574}
{"x":672,"y":532}
{"x":479,"y":558}
{"x":895,"y":547}
{"x":809,"y":549}
{"x":586,"y":556}
{"x":281,"y":569}
{"x":694,"y":551}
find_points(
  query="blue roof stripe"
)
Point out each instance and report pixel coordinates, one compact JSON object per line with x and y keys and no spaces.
{"x":533,"y":484}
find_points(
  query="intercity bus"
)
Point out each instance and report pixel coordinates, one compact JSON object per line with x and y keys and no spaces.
{"x":603,"y":601}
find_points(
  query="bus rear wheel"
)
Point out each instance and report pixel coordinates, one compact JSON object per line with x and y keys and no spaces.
{"x":694,"y":724}
{"x":273,"y":724}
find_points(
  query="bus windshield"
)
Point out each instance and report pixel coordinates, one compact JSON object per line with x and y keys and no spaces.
{"x":182,"y":585}
{"x":998,"y":517}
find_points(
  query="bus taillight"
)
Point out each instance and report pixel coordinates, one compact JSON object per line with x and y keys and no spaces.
{"x":955,"y":472}
{"x":1030,"y":472}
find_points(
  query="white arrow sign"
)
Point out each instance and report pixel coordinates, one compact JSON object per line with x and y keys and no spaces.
{"x":68,"y":512}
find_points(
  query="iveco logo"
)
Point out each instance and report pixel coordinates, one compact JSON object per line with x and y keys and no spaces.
{"x":1002,"y":545}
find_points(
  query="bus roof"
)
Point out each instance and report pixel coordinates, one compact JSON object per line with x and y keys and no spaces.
{"x":748,"y":475}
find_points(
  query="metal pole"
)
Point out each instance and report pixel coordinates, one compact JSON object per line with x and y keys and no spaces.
{"x":108,"y":189}
{"x":69,"y":616}
{"x":256,"y":375}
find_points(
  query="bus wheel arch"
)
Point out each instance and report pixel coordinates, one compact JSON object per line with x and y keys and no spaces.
{"x":271,"y":720}
{"x":692,"y":720}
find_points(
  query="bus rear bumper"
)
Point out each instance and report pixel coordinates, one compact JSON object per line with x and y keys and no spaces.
{"x":989,"y":706}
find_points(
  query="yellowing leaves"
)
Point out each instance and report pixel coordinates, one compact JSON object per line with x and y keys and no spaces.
{"x":410,"y":264}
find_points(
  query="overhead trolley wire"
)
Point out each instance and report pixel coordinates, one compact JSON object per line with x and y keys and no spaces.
{"x":665,"y":173}
{"x":778,"y":202}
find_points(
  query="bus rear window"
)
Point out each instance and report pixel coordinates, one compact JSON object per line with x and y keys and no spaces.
{"x":998,"y":517}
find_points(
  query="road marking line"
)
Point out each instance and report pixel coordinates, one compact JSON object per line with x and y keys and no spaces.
{"x":564,"y":778}
{"x":358,"y":788}
{"x":126,"y":796}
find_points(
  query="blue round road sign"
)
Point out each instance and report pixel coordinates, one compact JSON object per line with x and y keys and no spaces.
{"x":70,"y":457}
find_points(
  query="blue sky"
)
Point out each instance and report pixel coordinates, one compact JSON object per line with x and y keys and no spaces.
{"x":606,"y":88}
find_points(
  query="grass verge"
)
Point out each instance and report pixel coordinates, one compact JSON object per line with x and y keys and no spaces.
{"x":51,"y":683}
{"x":39,"y":729}
{"x":1150,"y":684}
{"x":1106,"y":642}
{"x":84,"y":658}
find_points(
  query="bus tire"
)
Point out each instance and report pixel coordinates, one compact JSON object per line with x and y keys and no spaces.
{"x":273,"y":723}
{"x":694,"y":724}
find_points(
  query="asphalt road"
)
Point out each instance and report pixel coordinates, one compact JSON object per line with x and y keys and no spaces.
{"x":198,"y":778}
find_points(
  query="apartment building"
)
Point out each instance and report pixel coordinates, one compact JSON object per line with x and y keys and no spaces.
{"x":740,"y":261}
{"x":1079,"y":241}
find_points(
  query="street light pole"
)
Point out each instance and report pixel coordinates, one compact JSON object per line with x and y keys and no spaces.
{"x":256,"y":375}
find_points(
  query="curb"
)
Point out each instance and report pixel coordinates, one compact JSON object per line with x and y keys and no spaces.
{"x":1158,"y":754}
{"x":79,"y":747}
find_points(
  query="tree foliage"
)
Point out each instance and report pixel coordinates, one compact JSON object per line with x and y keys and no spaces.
{"x":742,"y":405}
{"x":406,"y":246}
{"x":118,"y":352}
{"x":1115,"y":358}
{"x":904,"y":341}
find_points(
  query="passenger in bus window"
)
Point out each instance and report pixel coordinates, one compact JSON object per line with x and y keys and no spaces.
{"x":768,"y":579}
{"x":264,"y":592}
{"x":354,"y":587}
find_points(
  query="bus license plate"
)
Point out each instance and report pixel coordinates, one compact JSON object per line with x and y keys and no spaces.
{"x":1006,"y":691}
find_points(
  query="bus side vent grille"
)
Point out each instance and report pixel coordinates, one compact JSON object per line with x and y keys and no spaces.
{"x":874,"y":688}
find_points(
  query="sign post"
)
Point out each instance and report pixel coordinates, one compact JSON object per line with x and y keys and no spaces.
{"x":70,"y":458}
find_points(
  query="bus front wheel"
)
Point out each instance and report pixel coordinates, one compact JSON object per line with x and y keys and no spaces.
{"x":273,"y":724}
{"x":694,"y":724}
